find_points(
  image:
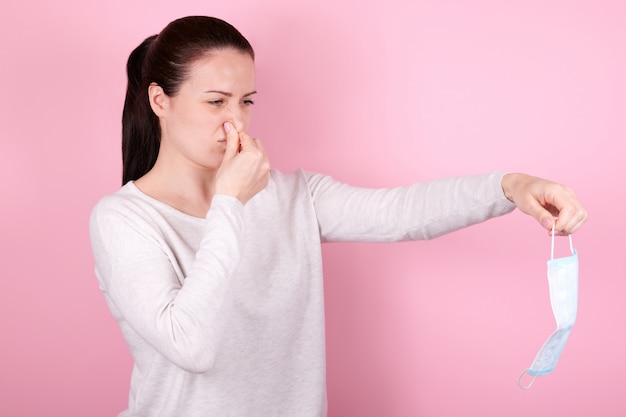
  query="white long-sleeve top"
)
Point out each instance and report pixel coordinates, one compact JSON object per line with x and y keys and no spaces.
{"x":224,"y":315}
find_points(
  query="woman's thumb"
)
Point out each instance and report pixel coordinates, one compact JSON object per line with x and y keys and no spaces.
{"x":541,"y":214}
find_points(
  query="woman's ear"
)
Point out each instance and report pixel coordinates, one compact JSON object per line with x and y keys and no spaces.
{"x":157,"y":98}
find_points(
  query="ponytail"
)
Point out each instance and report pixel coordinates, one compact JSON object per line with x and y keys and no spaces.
{"x":140,"y":126}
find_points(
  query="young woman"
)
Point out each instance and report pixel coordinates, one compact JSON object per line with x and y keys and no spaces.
{"x":211,"y":262}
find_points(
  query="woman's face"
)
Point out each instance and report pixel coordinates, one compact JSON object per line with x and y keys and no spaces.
{"x":219,"y":89}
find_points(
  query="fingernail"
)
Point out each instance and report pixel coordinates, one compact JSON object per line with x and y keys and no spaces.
{"x":227,"y":127}
{"x":547,"y":223}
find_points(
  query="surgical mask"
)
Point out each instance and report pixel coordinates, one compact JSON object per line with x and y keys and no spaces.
{"x":563,"y":283}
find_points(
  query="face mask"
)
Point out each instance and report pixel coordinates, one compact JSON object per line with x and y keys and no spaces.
{"x":563,"y":282}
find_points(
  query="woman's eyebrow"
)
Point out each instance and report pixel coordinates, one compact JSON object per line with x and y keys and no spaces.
{"x":227,"y":94}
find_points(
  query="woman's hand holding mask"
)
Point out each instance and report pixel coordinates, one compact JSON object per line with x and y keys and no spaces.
{"x":544,"y":200}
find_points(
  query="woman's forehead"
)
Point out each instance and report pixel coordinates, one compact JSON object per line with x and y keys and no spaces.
{"x":223,"y":64}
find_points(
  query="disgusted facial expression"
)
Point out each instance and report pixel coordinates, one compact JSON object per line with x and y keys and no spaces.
{"x":219,"y":88}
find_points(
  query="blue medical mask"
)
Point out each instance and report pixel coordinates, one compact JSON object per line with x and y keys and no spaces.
{"x":563,"y":282}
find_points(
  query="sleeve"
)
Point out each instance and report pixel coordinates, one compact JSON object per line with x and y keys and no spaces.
{"x":182,"y":321}
{"x":417,"y":212}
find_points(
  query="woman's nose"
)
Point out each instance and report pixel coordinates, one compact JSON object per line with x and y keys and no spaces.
{"x":237,"y":118}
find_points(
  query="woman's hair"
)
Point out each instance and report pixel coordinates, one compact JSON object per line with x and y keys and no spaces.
{"x":165,"y":59}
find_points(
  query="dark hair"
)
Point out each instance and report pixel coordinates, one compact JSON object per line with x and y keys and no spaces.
{"x":165,"y":59}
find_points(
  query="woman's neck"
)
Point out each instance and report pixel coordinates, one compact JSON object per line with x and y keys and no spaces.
{"x":189,"y":190}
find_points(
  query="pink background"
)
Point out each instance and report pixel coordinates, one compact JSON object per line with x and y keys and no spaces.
{"x":377,"y":95}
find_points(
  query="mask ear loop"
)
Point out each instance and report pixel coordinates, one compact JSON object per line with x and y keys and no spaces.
{"x":571,"y":244}
{"x":552,"y":248}
{"x":519,"y":380}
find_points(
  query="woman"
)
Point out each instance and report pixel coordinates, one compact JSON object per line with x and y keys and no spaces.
{"x":211,"y":262}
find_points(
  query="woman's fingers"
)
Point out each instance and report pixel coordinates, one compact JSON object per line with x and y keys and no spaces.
{"x":245,"y":169}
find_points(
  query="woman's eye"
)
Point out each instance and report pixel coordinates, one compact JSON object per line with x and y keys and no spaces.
{"x":248,"y":102}
{"x":218,"y":102}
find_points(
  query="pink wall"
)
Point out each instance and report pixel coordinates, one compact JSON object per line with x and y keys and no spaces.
{"x":377,"y":95}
